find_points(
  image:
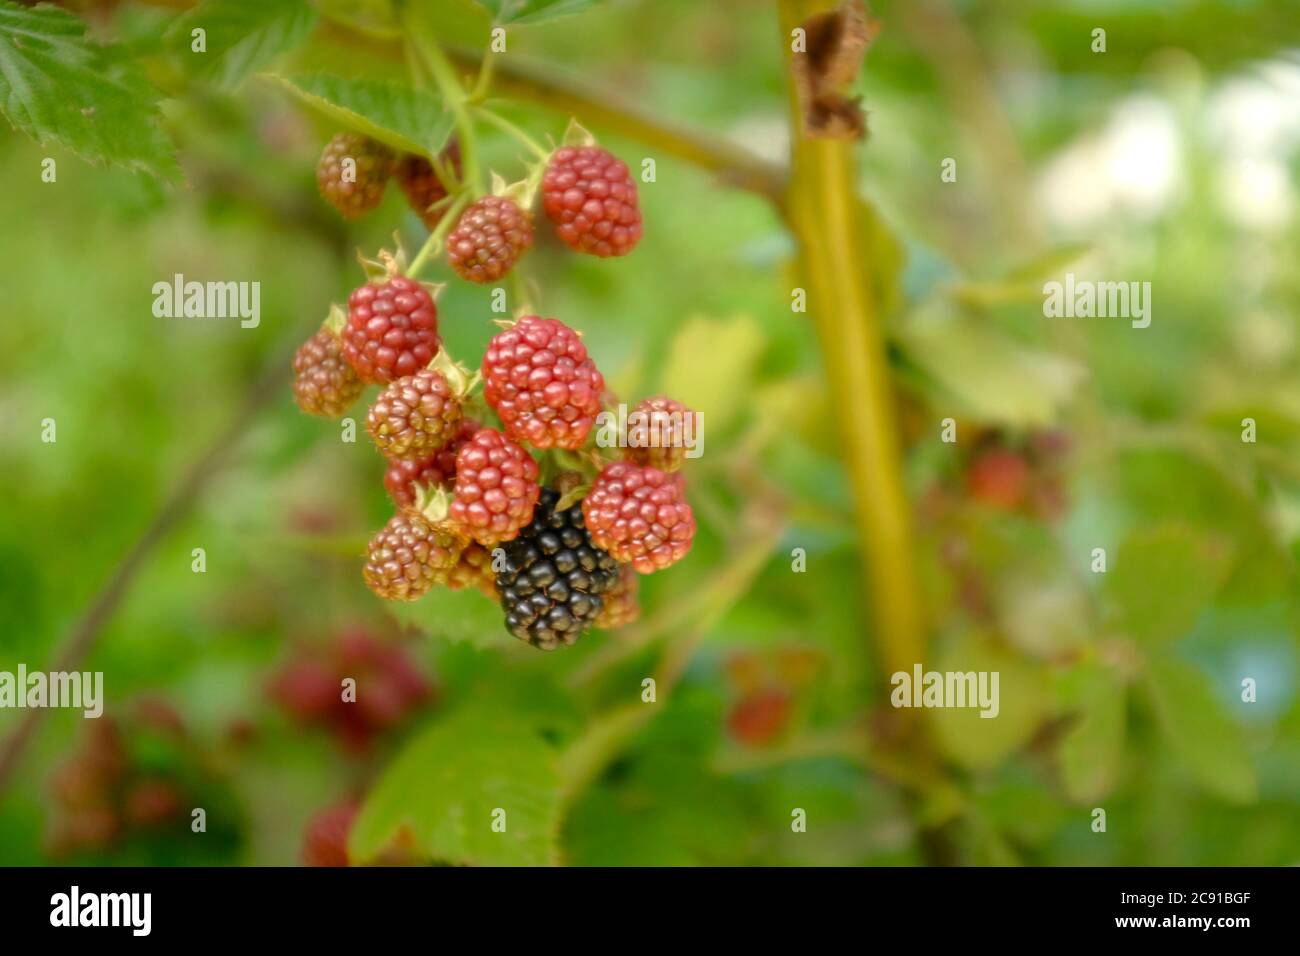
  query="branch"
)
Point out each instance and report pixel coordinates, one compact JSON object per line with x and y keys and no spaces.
{"x":827,"y":222}
{"x":567,"y":94}
{"x":82,"y":637}
{"x":305,"y":215}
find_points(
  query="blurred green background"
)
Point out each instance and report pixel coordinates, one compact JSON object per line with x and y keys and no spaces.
{"x":1169,"y":158}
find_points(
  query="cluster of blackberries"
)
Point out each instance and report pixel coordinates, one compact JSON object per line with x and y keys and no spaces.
{"x":470,"y":508}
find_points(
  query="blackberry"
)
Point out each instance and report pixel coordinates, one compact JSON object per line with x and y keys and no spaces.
{"x":409,"y":555}
{"x":414,"y":416}
{"x":538,"y":378}
{"x":590,"y":196}
{"x":554,"y":577}
{"x":323,"y":382}
{"x":392,"y":329}
{"x":621,"y":607}
{"x":640,"y":515}
{"x":362,"y":189}
{"x":421,"y":185}
{"x":496,"y":487}
{"x":656,"y":433}
{"x":489,"y":238}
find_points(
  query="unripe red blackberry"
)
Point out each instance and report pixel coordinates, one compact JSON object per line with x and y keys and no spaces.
{"x":539,"y":380}
{"x":496,"y":487}
{"x":392,"y":329}
{"x":640,"y":516}
{"x":591,"y":197}
{"x":363,"y":188}
{"x":656,"y":433}
{"x":552,"y":584}
{"x":421,"y":185}
{"x":489,"y":239}
{"x":152,"y":802}
{"x":409,"y":555}
{"x":999,"y":477}
{"x":621,"y":604}
{"x":323,"y":382}
{"x":404,"y":479}
{"x":758,"y":718}
{"x":414,"y":416}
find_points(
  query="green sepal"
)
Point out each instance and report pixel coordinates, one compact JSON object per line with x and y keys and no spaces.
{"x":337,"y":319}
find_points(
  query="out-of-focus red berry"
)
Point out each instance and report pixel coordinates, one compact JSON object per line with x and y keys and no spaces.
{"x":998,"y":478}
{"x":758,"y":718}
{"x":389,"y":687}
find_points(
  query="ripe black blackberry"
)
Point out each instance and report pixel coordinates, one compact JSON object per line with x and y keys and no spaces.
{"x":554,"y":577}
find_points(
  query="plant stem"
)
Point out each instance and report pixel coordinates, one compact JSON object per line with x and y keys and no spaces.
{"x":433,"y":245}
{"x":444,"y":75}
{"x":513,"y":131}
{"x":565,"y":94}
{"x":484,"y":81}
{"x":823,"y":212}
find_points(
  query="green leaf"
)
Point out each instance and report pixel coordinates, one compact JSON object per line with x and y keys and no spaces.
{"x":373,"y":17}
{"x":1090,"y":751}
{"x":1201,"y":734}
{"x":710,"y":366}
{"x":58,"y":87}
{"x":439,"y":796}
{"x":466,"y":615}
{"x":1161,"y":580}
{"x":533,"y":11}
{"x":391,"y":113}
{"x":993,"y":378}
{"x":239,"y":37}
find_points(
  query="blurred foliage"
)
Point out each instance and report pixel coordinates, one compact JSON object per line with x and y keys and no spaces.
{"x":1120,"y":689}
